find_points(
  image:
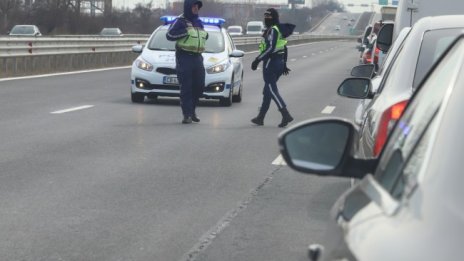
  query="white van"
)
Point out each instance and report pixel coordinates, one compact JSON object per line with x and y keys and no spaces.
{"x":255,"y":28}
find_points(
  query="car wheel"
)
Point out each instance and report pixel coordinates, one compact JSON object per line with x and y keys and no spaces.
{"x":227,"y":101}
{"x":238,"y":97}
{"x":137,"y":97}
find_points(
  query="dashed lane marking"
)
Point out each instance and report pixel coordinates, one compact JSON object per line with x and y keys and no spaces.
{"x":279,"y":161}
{"x":72,"y":109}
{"x":328,"y":110}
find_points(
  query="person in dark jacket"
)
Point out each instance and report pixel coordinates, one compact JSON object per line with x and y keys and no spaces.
{"x":273,"y":54}
{"x":190,"y":36}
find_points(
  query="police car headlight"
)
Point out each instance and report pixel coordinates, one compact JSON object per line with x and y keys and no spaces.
{"x":220,"y":67}
{"x":141,"y":64}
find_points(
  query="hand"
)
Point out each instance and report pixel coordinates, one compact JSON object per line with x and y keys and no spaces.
{"x":254,"y":64}
{"x":286,"y":70}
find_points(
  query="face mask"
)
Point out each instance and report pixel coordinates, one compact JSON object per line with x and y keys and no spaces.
{"x":268,"y":22}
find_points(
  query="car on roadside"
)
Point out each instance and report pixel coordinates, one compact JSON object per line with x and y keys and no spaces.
{"x":376,"y":78}
{"x":25,"y":30}
{"x":235,"y":30}
{"x":408,"y":205}
{"x":154,"y":73}
{"x":428,"y":38}
{"x":337,"y":27}
{"x":111,"y":32}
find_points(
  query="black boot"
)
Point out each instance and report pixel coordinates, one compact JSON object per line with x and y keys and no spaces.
{"x":195,"y":118}
{"x":259,"y":120}
{"x":187,"y":120}
{"x":286,"y":117}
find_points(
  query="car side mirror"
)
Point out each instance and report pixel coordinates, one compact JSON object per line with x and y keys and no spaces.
{"x":137,"y":48}
{"x":385,"y":37}
{"x":237,"y":54}
{"x":317,"y":147}
{"x":364,"y":70}
{"x":357,"y":88}
{"x":323,"y":147}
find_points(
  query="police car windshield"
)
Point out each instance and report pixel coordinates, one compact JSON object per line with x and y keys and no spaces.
{"x":214,"y":44}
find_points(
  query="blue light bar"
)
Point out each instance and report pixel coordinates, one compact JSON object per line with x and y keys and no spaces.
{"x":206,"y":20}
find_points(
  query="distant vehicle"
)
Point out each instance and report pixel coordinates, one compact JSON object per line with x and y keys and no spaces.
{"x":235,"y":30}
{"x":25,"y":30}
{"x":255,"y":28}
{"x":345,"y":18}
{"x":111,"y":32}
{"x":337,"y":27}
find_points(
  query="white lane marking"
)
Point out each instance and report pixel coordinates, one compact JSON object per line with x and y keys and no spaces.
{"x":328,"y":110}
{"x":320,"y":51}
{"x":72,"y":109}
{"x":304,"y":56}
{"x":279,"y":161}
{"x":313,"y":54}
{"x":64,"y":73}
{"x":292,"y":60}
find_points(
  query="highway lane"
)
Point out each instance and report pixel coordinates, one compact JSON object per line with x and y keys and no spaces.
{"x":123,"y":181}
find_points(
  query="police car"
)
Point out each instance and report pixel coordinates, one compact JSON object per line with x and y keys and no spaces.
{"x":154,"y":71}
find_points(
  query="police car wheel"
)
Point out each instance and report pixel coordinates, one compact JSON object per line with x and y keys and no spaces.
{"x":137,"y":97}
{"x":238,"y":97}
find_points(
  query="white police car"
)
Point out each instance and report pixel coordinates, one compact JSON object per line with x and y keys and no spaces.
{"x":154,"y":71}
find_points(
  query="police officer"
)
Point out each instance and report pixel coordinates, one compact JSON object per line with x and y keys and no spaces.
{"x":273,"y":53}
{"x":190,"y":37}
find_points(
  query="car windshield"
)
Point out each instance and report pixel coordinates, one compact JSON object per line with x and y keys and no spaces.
{"x":254,"y":28}
{"x":110,"y":31}
{"x":214,"y":43}
{"x":22,"y":30}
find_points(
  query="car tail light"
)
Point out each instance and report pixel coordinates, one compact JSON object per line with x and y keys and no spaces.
{"x":367,"y":57}
{"x":376,"y":55}
{"x":388,"y":119}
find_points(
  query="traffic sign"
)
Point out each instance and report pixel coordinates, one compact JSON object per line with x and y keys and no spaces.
{"x":383,"y":2}
{"x":395,"y":2}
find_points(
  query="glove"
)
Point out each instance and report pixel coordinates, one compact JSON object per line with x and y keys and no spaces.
{"x":254,"y":64}
{"x":286,"y":70}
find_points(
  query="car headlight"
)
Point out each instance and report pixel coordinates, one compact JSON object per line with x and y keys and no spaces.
{"x":142,"y":64}
{"x":220,"y":67}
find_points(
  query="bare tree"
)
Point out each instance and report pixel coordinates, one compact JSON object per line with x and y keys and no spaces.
{"x":5,"y":7}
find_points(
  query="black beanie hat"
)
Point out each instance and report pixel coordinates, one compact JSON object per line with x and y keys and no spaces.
{"x":274,"y":14}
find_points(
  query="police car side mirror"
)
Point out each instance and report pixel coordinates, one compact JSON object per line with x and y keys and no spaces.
{"x":137,"y":48}
{"x":237,"y":54}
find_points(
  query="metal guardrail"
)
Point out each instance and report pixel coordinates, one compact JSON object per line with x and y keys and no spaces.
{"x":20,"y":56}
{"x":32,"y":46}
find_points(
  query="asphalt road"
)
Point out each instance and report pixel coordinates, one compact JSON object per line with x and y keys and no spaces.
{"x":343,"y":20}
{"x":122,"y":181}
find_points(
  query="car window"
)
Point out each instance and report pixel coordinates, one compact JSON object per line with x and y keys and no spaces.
{"x":231,"y":45}
{"x":22,"y":30}
{"x":390,"y":55}
{"x":254,"y":28}
{"x":433,"y":45}
{"x":390,"y":67}
{"x":214,"y":44}
{"x":404,"y":148}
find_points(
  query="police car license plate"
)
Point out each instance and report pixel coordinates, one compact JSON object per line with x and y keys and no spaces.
{"x":170,"y":80}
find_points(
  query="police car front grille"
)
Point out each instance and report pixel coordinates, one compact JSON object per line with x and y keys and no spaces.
{"x":166,"y":70}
